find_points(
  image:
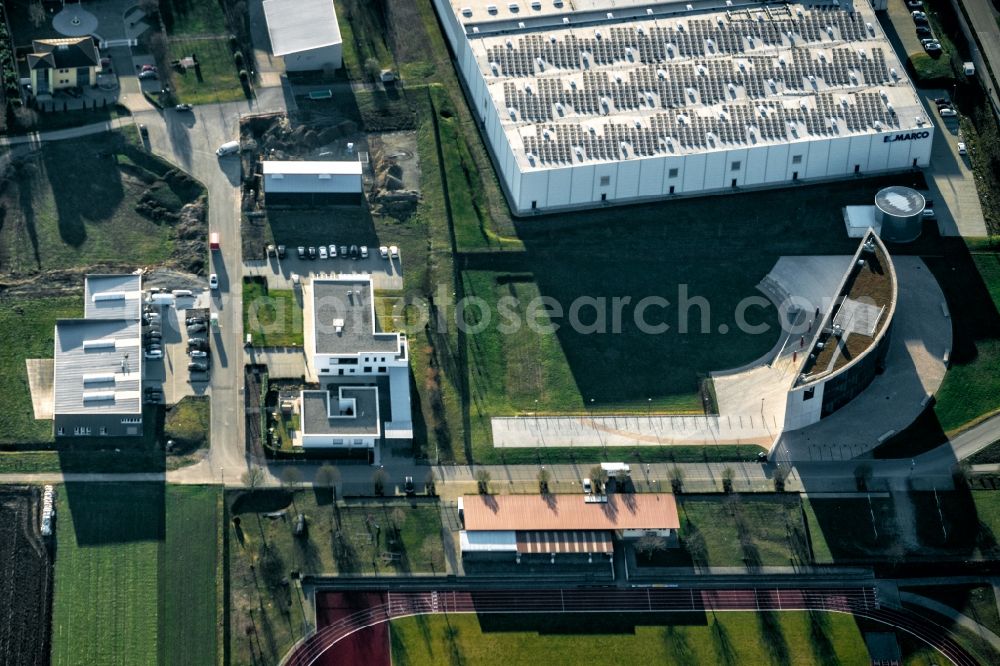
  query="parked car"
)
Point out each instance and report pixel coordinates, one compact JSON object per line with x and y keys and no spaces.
{"x":281,"y":252}
{"x":197,"y":327}
{"x":183,"y":107}
{"x":148,"y":75}
{"x":322,"y":252}
{"x":394,"y":252}
{"x":213,"y":281}
{"x":312,"y":252}
{"x":149,"y":68}
{"x":144,"y":132}
{"x":364,"y":251}
{"x":153,"y":353}
{"x":197,"y":353}
{"x":302,"y":252}
{"x":151,"y":317}
{"x":269,"y":251}
{"x":152,"y":336}
{"x":924,"y":31}
{"x":918,"y":16}
{"x":932,"y":47}
{"x":198,"y":343}
{"x":195,"y":320}
{"x":333,"y":251}
{"x":588,"y":487}
{"x":962,"y":150}
{"x":408,"y":486}
{"x":343,"y":251}
{"x":355,"y":252}
{"x":915,"y":4}
{"x":383,"y":251}
{"x":948,"y":112}
{"x":942,"y":101}
{"x":929,"y":214}
{"x":198,"y":366}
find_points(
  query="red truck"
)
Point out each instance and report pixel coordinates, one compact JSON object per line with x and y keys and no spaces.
{"x":213,"y":241}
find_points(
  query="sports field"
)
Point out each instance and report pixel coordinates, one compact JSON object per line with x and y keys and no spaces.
{"x":722,"y":638}
{"x":135,"y":574}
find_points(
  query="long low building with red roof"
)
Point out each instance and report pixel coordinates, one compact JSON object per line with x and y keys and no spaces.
{"x":574,"y":527}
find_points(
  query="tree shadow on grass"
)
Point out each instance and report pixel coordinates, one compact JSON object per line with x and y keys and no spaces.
{"x":774,"y":637}
{"x":723,"y":644}
{"x":819,"y":639}
{"x":679,"y":647}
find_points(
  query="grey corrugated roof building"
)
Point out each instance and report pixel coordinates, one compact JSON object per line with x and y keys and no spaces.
{"x":97,"y":381}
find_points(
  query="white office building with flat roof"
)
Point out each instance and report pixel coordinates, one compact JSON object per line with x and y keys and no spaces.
{"x":595,"y":102}
{"x":363,"y":372}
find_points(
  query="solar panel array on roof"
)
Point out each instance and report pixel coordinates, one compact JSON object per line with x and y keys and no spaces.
{"x":729,"y":79}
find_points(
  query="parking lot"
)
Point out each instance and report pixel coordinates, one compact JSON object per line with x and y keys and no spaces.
{"x":165,"y":326}
{"x":386,"y":272}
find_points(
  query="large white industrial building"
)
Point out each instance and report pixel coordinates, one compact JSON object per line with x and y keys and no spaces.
{"x":586,"y":102}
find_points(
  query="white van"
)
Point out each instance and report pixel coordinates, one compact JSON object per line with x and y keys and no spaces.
{"x":228,"y":148}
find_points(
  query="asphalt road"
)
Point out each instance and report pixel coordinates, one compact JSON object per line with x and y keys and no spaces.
{"x":189,"y":140}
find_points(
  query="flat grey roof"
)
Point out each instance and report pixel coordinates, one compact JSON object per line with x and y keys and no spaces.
{"x":112,"y":297}
{"x":98,"y":367}
{"x":301,"y":25}
{"x":324,"y":412}
{"x":344,"y":318}
{"x":608,"y":81}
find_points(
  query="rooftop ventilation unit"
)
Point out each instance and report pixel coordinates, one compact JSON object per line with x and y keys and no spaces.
{"x":541,"y":64}
{"x":610,"y":15}
{"x":640,"y":31}
{"x":466,"y":11}
{"x":650,"y":99}
{"x":565,"y":18}
{"x":520,"y":25}
{"x":552,"y":39}
{"x":108,"y":296}
{"x":495,"y":68}
{"x":338,"y":326}
{"x":871,"y":29}
{"x":579,"y":152}
{"x":509,"y":44}
{"x":513,"y":7}
{"x":822,"y":57}
{"x":100,"y":343}
{"x":513,"y":113}
{"x":597,"y":34}
{"x":572,"y":84}
{"x":649,"y":11}
{"x":624,"y":148}
{"x":894,"y":74}
{"x":890,"y":108}
{"x":661,"y":75}
{"x":680,"y":27}
{"x":546,"y":135}
{"x":829,"y":31}
{"x":527,"y":88}
{"x":99,"y":396}
{"x":492,"y":9}
{"x":536,"y":5}
{"x":98,"y":378}
{"x":689,"y":7}
{"x":531,"y":159}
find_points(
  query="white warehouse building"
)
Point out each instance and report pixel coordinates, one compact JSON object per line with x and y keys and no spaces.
{"x":618,"y":101}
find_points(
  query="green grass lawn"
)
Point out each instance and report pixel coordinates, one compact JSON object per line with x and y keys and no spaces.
{"x":926,"y":68}
{"x":975,"y":601}
{"x":842,"y":529}
{"x":971,"y":390}
{"x":135,"y":575}
{"x":220,"y":82}
{"x":55,"y":220}
{"x":363,"y":30}
{"x":723,"y":638}
{"x":368,"y":530}
{"x":273,"y":317}
{"x":743,"y":530}
{"x":193,"y":17}
{"x":27,"y":329}
{"x":188,"y":424}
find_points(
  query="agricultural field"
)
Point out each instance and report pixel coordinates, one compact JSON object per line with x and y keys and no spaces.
{"x":121,"y":551}
{"x":723,"y":638}
{"x":25,"y":580}
{"x":384,"y":538}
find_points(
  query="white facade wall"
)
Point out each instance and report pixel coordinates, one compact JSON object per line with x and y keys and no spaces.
{"x":712,"y":171}
{"x":330,"y":364}
{"x":638,"y":534}
{"x":327,"y":441}
{"x":800,"y":411}
{"x":315,"y":59}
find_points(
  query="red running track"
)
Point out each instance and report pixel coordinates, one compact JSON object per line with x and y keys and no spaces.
{"x":862,"y":602}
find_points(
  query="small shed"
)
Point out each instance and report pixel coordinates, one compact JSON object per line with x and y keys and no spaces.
{"x":312,"y":183}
